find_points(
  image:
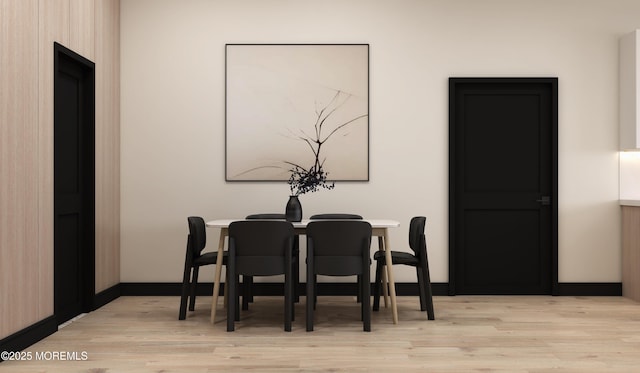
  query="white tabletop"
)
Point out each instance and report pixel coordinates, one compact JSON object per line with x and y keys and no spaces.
{"x":375,"y":223}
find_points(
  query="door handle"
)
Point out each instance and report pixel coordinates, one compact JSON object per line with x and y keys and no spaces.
{"x":544,"y":200}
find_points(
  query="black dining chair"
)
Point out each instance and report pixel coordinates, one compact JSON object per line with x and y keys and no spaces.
{"x":339,"y":248}
{"x":419,"y":260}
{"x":196,"y":242}
{"x":260,"y":248}
{"x":337,"y":216}
{"x":296,"y":260}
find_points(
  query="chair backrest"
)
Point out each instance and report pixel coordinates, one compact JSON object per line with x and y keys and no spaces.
{"x":339,"y":247}
{"x":416,"y":230}
{"x":197,"y":235}
{"x":335,"y":216}
{"x":268,"y":216}
{"x":338,"y":238}
{"x":261,"y":237}
{"x":261,"y":247}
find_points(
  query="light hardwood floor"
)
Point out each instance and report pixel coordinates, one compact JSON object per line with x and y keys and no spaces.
{"x":470,"y":334}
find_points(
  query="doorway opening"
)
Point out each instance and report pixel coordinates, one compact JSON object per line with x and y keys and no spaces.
{"x":74,"y":184}
{"x":503,"y":186}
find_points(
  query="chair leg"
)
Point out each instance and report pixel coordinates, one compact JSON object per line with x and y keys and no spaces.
{"x":194,"y":283}
{"x":224,"y":287}
{"x":377,"y":285}
{"x":428,"y":292}
{"x":360,"y":293}
{"x":315,"y":291}
{"x":296,"y":281}
{"x":296,"y":269}
{"x":250,"y":289}
{"x":366,"y":300}
{"x":247,"y":295}
{"x":293,"y":299}
{"x":421,"y":288}
{"x":311,"y":296}
{"x":288,"y":300}
{"x":231,"y":304}
{"x":185,"y":293}
{"x":236,"y":299}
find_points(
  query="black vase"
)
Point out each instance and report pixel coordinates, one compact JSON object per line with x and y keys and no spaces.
{"x":293,"y":211}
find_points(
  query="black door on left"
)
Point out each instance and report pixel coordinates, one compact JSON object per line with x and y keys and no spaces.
{"x":74,"y":186}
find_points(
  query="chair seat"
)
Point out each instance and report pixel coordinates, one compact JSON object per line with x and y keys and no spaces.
{"x":397,"y":257}
{"x":210,"y":258}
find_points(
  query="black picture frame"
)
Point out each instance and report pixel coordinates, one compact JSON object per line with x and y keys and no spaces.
{"x":296,"y":105}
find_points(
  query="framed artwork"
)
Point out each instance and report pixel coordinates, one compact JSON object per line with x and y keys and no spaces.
{"x":295,"y":107}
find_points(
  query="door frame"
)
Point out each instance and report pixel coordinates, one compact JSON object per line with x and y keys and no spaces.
{"x":453,"y":86}
{"x":87,"y":257}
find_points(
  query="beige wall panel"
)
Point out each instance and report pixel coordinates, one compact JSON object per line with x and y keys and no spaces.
{"x":53,"y":26}
{"x":28,"y":30}
{"x":19,"y":252}
{"x":82,"y":28}
{"x":107,"y":144}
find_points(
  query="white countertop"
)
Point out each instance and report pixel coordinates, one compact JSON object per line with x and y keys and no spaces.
{"x":630,"y":202}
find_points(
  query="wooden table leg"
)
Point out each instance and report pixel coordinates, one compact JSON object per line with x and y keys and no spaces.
{"x":385,"y":281}
{"x":216,"y":281}
{"x":392,"y":283}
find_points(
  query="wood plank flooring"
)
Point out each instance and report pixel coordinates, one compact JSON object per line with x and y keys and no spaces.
{"x":470,"y":334}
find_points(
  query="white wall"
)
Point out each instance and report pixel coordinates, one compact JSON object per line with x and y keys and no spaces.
{"x":173,"y":115}
{"x":630,"y":175}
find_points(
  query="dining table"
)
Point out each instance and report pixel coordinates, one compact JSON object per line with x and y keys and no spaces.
{"x":380,"y":229}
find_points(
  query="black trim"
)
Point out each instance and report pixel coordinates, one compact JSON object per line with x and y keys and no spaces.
{"x":263,"y":289}
{"x":555,"y":285}
{"x":402,"y":289}
{"x":106,"y":296}
{"x":161,"y":288}
{"x":26,"y":337}
{"x":411,"y":289}
{"x":608,"y":289}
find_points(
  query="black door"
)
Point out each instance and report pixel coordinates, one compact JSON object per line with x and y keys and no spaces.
{"x":503,"y":185}
{"x":74,"y":222}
